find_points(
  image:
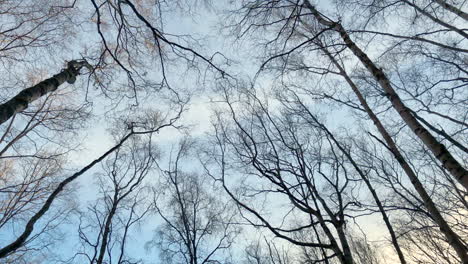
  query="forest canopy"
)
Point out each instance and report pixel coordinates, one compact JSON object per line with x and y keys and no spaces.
{"x":249,"y":131}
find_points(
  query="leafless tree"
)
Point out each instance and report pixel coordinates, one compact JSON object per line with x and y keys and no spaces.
{"x":356,"y":115}
{"x":305,"y":50}
{"x":198,"y":225}
{"x":42,"y":124}
{"x":267,"y":252}
{"x":286,"y":156}
{"x":153,"y":125}
{"x":33,"y":150}
{"x":106,"y":225}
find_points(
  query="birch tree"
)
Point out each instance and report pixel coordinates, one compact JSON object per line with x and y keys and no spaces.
{"x":105,"y":228}
{"x":294,"y":39}
{"x":126,"y":55}
{"x":198,"y":225}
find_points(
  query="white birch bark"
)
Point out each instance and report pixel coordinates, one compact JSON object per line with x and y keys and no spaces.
{"x":21,"y":101}
{"x":439,"y":150}
{"x":436,"y":148}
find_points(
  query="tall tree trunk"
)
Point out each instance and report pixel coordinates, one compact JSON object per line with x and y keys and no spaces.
{"x":21,"y":101}
{"x":438,"y":149}
{"x":437,"y":20}
{"x":355,"y":165}
{"x":452,"y":238}
{"x":344,"y":254}
{"x":107,"y":228}
{"x":452,"y":9}
{"x":13,"y":246}
{"x":344,"y":244}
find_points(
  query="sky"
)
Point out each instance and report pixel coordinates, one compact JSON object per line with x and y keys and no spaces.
{"x":197,"y":117}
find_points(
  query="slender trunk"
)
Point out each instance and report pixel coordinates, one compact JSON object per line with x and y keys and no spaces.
{"x":344,"y":243}
{"x":10,"y":248}
{"x":438,"y":149}
{"x":322,"y":250}
{"x":107,"y":228}
{"x":377,"y":201}
{"x":452,"y":238}
{"x":345,"y":254}
{"x":452,"y":9}
{"x":21,"y":101}
{"x":194,"y":247}
{"x":355,"y":165}
{"x":437,"y":20}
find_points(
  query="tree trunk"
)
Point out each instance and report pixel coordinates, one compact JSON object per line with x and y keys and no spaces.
{"x":452,"y":238}
{"x":355,"y":165}
{"x":12,"y":247}
{"x":107,"y":228}
{"x":21,"y":101}
{"x":438,"y":149}
{"x":344,"y":254}
{"x":452,"y":9}
{"x":437,"y":20}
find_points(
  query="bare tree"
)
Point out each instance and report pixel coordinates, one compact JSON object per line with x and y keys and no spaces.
{"x":40,"y":125}
{"x":148,"y":127}
{"x":198,"y":226}
{"x":438,"y":149}
{"x":33,"y":150}
{"x":285,"y":157}
{"x":295,"y":44}
{"x":355,"y":117}
{"x":106,"y":226}
{"x":267,"y":252}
